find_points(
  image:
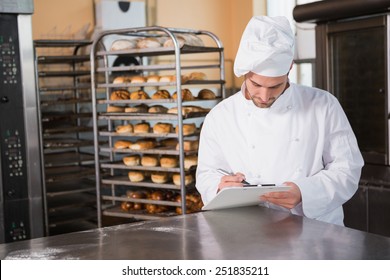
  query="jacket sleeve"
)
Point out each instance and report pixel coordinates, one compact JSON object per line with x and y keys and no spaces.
{"x":210,"y":158}
{"x":336,"y":183}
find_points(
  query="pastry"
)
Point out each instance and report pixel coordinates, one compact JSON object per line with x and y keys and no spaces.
{"x":188,"y":128}
{"x":138,"y":79}
{"x":206,"y":94}
{"x":168,"y":161}
{"x":189,"y":145}
{"x":149,"y":160}
{"x":197,"y":76}
{"x":159,"y":109}
{"x":120,"y":95}
{"x":141,"y":108}
{"x":136,"y":176}
{"x":186,"y":95}
{"x":190,"y":161}
{"x":122,"y":144}
{"x":127,"y":128}
{"x":159,"y":178}
{"x":161,"y":94}
{"x":123,"y":44}
{"x":161,"y":128}
{"x":148,"y":43}
{"x":115,"y":109}
{"x":188,"y":179}
{"x":143,"y":145}
{"x":141,"y":128}
{"x":133,"y":160}
{"x":138,"y":95}
{"x":122,"y":80}
{"x":153,"y":79}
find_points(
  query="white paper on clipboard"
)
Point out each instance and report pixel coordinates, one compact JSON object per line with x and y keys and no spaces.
{"x":240,"y":196}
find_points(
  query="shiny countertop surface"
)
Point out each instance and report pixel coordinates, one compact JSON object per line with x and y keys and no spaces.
{"x":239,"y":233}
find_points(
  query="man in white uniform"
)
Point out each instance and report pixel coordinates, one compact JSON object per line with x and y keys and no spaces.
{"x":274,"y":131}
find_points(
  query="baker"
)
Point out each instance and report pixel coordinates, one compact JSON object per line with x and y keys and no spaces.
{"x":275,"y":131}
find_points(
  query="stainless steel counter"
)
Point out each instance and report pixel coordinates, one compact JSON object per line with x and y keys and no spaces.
{"x":240,"y":233}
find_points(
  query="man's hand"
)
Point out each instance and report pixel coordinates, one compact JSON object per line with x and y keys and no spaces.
{"x":288,"y":199}
{"x":231,"y":181}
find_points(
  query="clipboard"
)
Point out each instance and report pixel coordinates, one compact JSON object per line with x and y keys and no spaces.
{"x":240,"y":196}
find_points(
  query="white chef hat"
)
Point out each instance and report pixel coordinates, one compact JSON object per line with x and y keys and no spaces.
{"x":266,"y":47}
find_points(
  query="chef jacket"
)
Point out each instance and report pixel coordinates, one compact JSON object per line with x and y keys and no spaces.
{"x":304,"y":137}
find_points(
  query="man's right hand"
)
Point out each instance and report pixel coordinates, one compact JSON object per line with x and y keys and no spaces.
{"x":231,"y":181}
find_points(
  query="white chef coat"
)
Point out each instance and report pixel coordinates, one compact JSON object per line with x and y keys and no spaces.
{"x":304,"y":137}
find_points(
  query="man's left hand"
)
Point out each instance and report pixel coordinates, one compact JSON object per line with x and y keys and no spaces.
{"x":288,"y":199}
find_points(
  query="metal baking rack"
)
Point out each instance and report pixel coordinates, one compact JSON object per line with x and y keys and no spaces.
{"x":111,"y":180}
{"x":63,"y":88}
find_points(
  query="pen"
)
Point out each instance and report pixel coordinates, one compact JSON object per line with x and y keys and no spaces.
{"x":224,"y":172}
{"x":261,"y":185}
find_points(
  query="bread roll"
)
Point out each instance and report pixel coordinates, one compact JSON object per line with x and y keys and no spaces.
{"x":122,"y":80}
{"x":189,"y":145}
{"x":168,"y":161}
{"x":123,"y":44}
{"x":141,"y":128}
{"x":159,"y":178}
{"x":149,"y":160}
{"x":148,"y":43}
{"x":120,"y":95}
{"x":187,"y":109}
{"x":127,"y":205}
{"x":167,"y":79}
{"x":188,"y":179}
{"x":197,"y":76}
{"x":161,"y":128}
{"x":141,"y":108}
{"x":186,"y":95}
{"x":158,"y":109}
{"x":143,"y":145}
{"x":169,"y":142}
{"x":169,"y":42}
{"x":138,"y":95}
{"x":190,"y":161}
{"x":188,"y":128}
{"x":161,"y":94}
{"x":115,"y":109}
{"x":206,"y":94}
{"x":153,"y":79}
{"x":136,"y":176}
{"x":138,"y":79}
{"x":122,"y":144}
{"x":133,"y":160}
{"x":136,"y":194}
{"x":127,"y":128}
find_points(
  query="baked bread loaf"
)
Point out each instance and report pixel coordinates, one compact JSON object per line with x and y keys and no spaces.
{"x":148,"y":43}
{"x":133,"y":160}
{"x":120,"y":95}
{"x":185,"y":39}
{"x":122,"y":80}
{"x":187,"y":109}
{"x":159,"y":178}
{"x":161,"y":94}
{"x":141,"y":128}
{"x":149,"y":160}
{"x":188,"y":179}
{"x":190,"y":161}
{"x":127,"y":205}
{"x":194,"y":203}
{"x":138,"y":95}
{"x":188,"y":128}
{"x":136,"y":194}
{"x":127,"y":128}
{"x":186,"y":95}
{"x":136,"y":176}
{"x":122,"y":144}
{"x":138,"y":79}
{"x":162,"y":128}
{"x":197,"y":76}
{"x":141,"y":108}
{"x":169,"y":142}
{"x":153,"y":79}
{"x":206,"y":94}
{"x":143,"y":145}
{"x":158,"y":109}
{"x":115,"y":109}
{"x":167,"y":79}
{"x":168,"y":161}
{"x":189,"y":145}
{"x":123,"y":44}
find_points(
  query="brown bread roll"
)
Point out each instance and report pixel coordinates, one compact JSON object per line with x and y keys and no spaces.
{"x":139,"y":95}
{"x":188,"y":179}
{"x":161,"y":94}
{"x":158,"y":109}
{"x":168,"y":161}
{"x":143,"y":145}
{"x":115,"y":109}
{"x":122,"y":144}
{"x":186,"y":95}
{"x":161,"y":128}
{"x":141,"y":128}
{"x":120,"y":95}
{"x":131,"y":160}
{"x":127,"y":128}
{"x":206,"y":94}
{"x":159,"y":178}
{"x":149,"y":160}
{"x":188,"y":128}
{"x":136,"y":176}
